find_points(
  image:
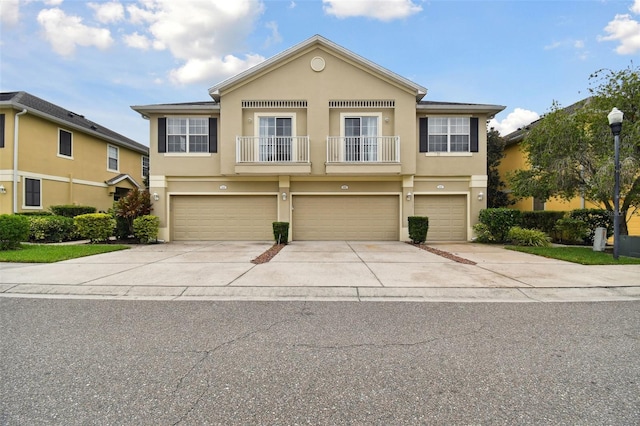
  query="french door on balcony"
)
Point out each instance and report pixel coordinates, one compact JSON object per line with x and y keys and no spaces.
{"x":275,"y":139}
{"x":361,"y":138}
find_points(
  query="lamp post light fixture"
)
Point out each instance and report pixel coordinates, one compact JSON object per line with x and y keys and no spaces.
{"x":615,"y":122}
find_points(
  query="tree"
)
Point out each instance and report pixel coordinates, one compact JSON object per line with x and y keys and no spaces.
{"x":571,"y":150}
{"x":496,"y":197}
{"x":135,"y":204}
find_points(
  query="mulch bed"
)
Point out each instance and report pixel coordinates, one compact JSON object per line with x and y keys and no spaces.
{"x":444,"y":254}
{"x":269,"y":254}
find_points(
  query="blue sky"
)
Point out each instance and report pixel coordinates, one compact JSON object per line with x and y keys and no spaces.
{"x":97,"y":58}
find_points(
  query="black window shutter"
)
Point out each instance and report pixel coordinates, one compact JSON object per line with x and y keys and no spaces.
{"x":162,"y":134}
{"x":65,"y":143}
{"x":1,"y":130}
{"x":213,"y":135}
{"x":424,"y":134}
{"x":474,"y":134}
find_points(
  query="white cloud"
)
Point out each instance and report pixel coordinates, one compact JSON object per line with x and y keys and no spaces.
{"x":9,"y":12}
{"x":635,"y":8}
{"x":383,"y":10}
{"x":53,"y":2}
{"x":198,"y":70}
{"x":65,"y":32}
{"x":275,"y":36}
{"x":201,"y":33}
{"x":625,"y":30}
{"x":137,"y":41}
{"x":515,"y":120}
{"x":108,"y":12}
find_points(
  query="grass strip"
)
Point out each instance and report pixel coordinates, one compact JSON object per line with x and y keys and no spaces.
{"x":49,"y":253}
{"x":581,"y":255}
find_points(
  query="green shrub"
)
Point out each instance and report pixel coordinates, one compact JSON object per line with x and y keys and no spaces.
{"x":52,"y":229}
{"x":135,"y":204}
{"x":281,"y":232}
{"x":594,"y":218}
{"x":483,"y":234}
{"x":95,"y":226}
{"x":71,"y":210}
{"x":13,"y":230}
{"x":499,"y":221}
{"x":36,"y":213}
{"x":572,"y":231}
{"x":418,"y":228}
{"x":528,"y":237}
{"x":145,"y":228}
{"x":542,"y":220}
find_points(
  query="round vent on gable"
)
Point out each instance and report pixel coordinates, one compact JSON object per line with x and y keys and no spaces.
{"x":317,"y":63}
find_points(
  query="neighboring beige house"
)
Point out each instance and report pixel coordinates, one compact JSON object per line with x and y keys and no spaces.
{"x":320,"y":137}
{"x":52,"y":156}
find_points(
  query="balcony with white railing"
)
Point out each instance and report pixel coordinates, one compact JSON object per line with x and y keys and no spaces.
{"x":272,"y":154}
{"x":363,"y":154}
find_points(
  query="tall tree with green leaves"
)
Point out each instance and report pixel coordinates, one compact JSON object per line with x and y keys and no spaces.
{"x":496,"y":197}
{"x":571,"y":150}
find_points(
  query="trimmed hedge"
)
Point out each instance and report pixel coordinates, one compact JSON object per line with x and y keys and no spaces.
{"x":543,"y":220}
{"x":51,"y":229}
{"x":594,"y":218}
{"x":145,"y":228}
{"x":281,"y":232}
{"x":71,"y":210}
{"x":96,"y":227}
{"x":13,"y":230}
{"x":418,"y":228}
{"x":497,"y":223}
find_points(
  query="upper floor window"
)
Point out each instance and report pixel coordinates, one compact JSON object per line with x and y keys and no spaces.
{"x":275,"y":138}
{"x":32,"y":192}
{"x":449,"y":134}
{"x":2,"y":119}
{"x":361,"y":138}
{"x":112,"y":158}
{"x":187,"y":135}
{"x":145,"y":166}
{"x":65,"y":144}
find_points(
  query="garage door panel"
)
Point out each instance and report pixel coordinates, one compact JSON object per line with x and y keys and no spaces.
{"x":447,"y":216}
{"x":356,"y":218}
{"x":223,"y":218}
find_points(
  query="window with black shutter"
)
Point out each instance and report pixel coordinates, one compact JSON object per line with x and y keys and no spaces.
{"x":64,"y":143}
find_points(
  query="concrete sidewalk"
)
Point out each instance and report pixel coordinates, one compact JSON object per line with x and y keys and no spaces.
{"x":335,"y":270}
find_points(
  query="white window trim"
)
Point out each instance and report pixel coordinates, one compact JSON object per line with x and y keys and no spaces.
{"x":187,"y":153}
{"x":345,"y":115}
{"x":142,"y":165}
{"x":256,"y":128}
{"x":448,"y":152}
{"x":24,"y":194}
{"x":66,"y":157}
{"x":117,"y":158}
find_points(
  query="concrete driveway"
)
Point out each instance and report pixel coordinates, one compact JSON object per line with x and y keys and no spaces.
{"x":335,"y":270}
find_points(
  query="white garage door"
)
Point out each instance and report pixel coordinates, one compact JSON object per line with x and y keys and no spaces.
{"x":223,"y":217}
{"x":447,"y":216}
{"x":346,"y":217}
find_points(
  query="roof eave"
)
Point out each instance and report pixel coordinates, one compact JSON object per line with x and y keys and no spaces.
{"x":145,"y":110}
{"x":490,"y":110}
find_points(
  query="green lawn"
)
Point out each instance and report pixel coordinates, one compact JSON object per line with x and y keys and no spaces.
{"x":49,"y":253}
{"x":582,"y":255}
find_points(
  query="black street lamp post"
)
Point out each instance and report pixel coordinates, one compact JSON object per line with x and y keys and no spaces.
{"x":615,"y":122}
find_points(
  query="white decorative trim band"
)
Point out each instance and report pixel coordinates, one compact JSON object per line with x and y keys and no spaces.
{"x":274,"y":104}
{"x":380,"y":103}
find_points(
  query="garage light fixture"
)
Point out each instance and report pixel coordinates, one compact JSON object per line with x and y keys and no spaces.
{"x":3,"y":190}
{"x":156,"y":196}
{"x":408,"y":196}
{"x":284,"y":196}
{"x":480,"y":196}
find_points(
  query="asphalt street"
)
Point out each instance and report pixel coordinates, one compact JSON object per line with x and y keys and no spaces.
{"x":107,"y":362}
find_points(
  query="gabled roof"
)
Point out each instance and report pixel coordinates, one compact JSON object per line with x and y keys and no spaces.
{"x":40,"y":107}
{"x":458,"y":107}
{"x":120,"y":178}
{"x":317,"y":40}
{"x":518,"y":135}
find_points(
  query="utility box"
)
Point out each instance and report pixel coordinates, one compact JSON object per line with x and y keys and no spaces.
{"x":629,"y":246}
{"x":600,"y":239}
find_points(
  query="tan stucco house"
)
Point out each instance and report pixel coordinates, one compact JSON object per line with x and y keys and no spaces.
{"x":320,"y":137}
{"x":52,"y":156}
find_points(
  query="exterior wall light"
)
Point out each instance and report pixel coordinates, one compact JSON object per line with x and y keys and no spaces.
{"x":480,"y":196}
{"x":156,"y":196}
{"x":344,"y":187}
{"x":284,"y":196}
{"x":3,"y":190}
{"x":408,"y":196}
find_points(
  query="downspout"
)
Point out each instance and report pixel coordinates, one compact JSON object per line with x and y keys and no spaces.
{"x":15,"y":159}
